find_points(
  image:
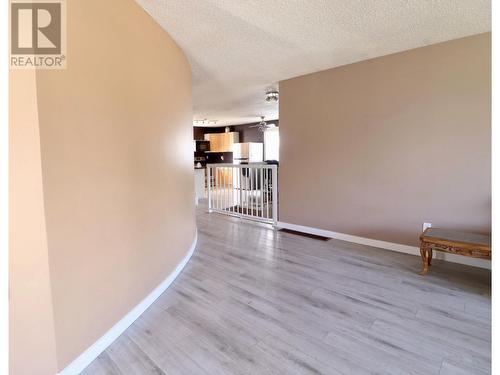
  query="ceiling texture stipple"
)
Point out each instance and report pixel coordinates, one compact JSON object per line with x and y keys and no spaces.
{"x":239,"y":49}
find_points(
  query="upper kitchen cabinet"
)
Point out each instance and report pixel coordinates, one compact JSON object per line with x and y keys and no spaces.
{"x":222,"y":142}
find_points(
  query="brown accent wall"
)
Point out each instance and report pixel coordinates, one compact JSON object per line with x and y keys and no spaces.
{"x":115,"y":183}
{"x":200,"y":131}
{"x":247,"y":133}
{"x":376,"y":148}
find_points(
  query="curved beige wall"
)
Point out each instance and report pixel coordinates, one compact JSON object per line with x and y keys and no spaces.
{"x":116,"y":162}
{"x":32,"y":337}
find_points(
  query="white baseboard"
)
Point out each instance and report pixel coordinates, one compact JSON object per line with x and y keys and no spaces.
{"x":82,"y":361}
{"x":413,"y":250}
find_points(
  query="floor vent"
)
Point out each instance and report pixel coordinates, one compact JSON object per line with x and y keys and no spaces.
{"x":313,"y":236}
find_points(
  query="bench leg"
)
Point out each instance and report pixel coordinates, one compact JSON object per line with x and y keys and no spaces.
{"x":426,"y":259}
{"x":430,"y":256}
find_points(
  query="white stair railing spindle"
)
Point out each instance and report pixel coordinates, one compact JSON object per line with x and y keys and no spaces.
{"x":246,"y":191}
{"x":262,"y":193}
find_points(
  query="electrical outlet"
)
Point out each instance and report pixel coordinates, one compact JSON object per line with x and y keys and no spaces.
{"x":426,"y":225}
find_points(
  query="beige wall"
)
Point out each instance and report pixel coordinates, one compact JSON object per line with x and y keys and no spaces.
{"x":116,"y":162}
{"x":376,"y":148}
{"x":32,"y":336}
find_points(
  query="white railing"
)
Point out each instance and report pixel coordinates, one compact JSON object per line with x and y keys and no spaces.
{"x":245,"y":190}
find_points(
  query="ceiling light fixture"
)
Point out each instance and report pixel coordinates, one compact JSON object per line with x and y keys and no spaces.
{"x":199,"y":122}
{"x":272,"y":96}
{"x":204,"y":122}
{"x":262,"y":126}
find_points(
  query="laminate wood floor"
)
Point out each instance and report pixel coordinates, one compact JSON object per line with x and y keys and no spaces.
{"x":253,"y":300}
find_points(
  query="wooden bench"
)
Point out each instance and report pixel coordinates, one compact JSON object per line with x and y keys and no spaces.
{"x":454,"y":242}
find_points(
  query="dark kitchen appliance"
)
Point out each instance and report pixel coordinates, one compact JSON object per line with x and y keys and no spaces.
{"x":219,"y":157}
{"x":202,"y":146}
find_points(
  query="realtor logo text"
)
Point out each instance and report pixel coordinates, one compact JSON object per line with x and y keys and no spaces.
{"x":38,"y":34}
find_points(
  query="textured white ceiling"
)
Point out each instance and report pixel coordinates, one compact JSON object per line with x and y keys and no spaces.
{"x":239,"y":48}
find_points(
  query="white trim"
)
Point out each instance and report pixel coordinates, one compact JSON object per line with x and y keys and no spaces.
{"x":84,"y":359}
{"x":413,"y":250}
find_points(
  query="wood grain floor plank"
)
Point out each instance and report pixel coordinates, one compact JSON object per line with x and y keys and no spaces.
{"x":130,"y":359}
{"x":103,"y":365}
{"x":253,"y":300}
